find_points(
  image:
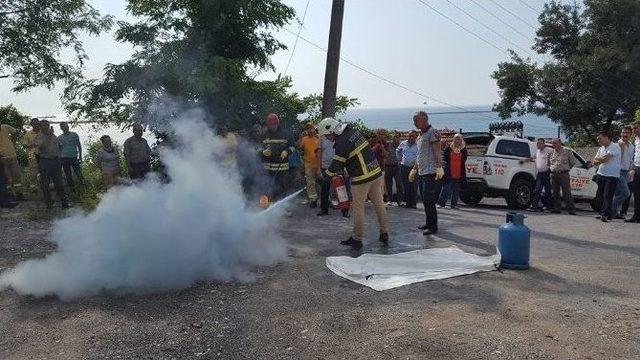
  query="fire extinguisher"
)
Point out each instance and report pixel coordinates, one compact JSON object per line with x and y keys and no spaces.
{"x":337,"y":182}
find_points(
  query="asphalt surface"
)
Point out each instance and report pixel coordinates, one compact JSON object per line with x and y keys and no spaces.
{"x":579,"y":300}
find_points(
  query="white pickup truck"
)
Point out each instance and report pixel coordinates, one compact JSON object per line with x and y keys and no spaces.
{"x":496,"y":170}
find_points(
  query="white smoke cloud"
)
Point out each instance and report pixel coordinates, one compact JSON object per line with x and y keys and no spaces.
{"x":154,"y":236}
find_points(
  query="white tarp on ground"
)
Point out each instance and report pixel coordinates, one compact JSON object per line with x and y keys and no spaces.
{"x":383,"y":272}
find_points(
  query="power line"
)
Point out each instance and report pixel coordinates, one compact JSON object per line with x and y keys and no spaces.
{"x":529,"y":6}
{"x":513,"y":14}
{"x":295,"y":44}
{"x":381,"y":78}
{"x":489,"y":28}
{"x":500,"y":20}
{"x":464,"y":28}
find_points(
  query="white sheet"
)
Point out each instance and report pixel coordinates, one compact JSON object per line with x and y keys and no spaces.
{"x":383,"y":272}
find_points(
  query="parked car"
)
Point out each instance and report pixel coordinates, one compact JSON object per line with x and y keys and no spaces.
{"x":495,"y":169}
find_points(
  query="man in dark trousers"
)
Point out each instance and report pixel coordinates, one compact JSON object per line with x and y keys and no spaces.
{"x":353,"y":153}
{"x":50,"y":164}
{"x":137,"y":153}
{"x":276,"y":148}
{"x":429,"y":168}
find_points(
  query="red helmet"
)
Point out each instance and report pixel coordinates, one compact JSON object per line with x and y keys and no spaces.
{"x":272,"y":119}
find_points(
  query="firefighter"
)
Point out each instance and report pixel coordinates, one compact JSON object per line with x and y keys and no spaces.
{"x":276,"y":148}
{"x":352,"y":151}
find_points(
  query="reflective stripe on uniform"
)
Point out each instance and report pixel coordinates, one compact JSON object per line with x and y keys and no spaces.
{"x":274,"y":141}
{"x":329,"y":173}
{"x":358,"y":150}
{"x":276,"y":166}
{"x":339,"y":158}
{"x":367,"y":175}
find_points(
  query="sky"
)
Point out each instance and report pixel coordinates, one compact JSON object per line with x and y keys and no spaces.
{"x":411,"y":43}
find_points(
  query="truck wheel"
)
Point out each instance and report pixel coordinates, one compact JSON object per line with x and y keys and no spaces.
{"x":471,"y":198}
{"x":520,"y":194}
{"x":596,"y":204}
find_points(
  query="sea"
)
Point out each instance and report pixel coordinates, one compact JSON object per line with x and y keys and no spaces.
{"x":476,"y":118}
{"x":451,"y":118}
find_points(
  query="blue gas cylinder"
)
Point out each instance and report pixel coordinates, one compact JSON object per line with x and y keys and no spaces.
{"x":513,"y":243}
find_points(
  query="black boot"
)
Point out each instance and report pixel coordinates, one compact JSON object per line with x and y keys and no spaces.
{"x":352,"y":242}
{"x":323,"y":213}
{"x":384,"y":239}
{"x":313,"y":204}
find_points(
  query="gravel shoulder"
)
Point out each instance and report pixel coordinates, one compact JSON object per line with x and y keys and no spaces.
{"x":580,"y":299}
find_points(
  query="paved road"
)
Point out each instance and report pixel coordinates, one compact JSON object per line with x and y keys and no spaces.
{"x":580,"y":300}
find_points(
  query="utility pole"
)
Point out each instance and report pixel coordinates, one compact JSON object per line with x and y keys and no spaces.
{"x":333,"y":60}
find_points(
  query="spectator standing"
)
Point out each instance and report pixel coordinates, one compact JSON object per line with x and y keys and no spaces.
{"x":325,"y":156}
{"x":543,"y":177}
{"x":137,"y":154}
{"x":622,"y":192}
{"x":608,"y":160}
{"x":6,"y":200}
{"x":407,"y":152}
{"x":9,"y":160}
{"x":50,"y":165}
{"x":455,"y":158}
{"x":108,"y":161}
{"x":635,"y":174}
{"x":71,"y":154}
{"x":309,"y":144}
{"x":429,"y":169}
{"x":392,"y":171}
{"x":29,"y":143}
{"x":560,"y":163}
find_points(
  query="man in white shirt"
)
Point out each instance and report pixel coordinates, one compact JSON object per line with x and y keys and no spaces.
{"x":626,"y":163}
{"x":543,"y":179}
{"x":608,"y":160}
{"x":635,"y":173}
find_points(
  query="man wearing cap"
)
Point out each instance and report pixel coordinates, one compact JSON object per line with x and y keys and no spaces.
{"x":276,"y":148}
{"x":309,"y":144}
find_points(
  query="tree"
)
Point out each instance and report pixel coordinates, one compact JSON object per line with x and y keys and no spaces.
{"x":313,"y":106}
{"x":593,"y":79}
{"x":195,"y":53}
{"x":33,"y":35}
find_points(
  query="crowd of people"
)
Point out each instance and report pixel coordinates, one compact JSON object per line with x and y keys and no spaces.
{"x":385,"y":169}
{"x":49,"y":156}
{"x":617,"y":164}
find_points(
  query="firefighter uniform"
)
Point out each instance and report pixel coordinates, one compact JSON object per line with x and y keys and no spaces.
{"x":277,"y":144}
{"x":353,"y":153}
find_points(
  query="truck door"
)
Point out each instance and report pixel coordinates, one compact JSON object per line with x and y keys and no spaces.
{"x":582,"y":187}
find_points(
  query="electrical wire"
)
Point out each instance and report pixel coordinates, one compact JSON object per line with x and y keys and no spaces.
{"x":529,"y":6}
{"x":513,"y":14}
{"x":501,"y":20}
{"x":464,"y":28}
{"x":381,"y":78}
{"x":490,"y":29}
{"x":295,"y":44}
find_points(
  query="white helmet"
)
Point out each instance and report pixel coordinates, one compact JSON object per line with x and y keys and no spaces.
{"x":330,"y":126}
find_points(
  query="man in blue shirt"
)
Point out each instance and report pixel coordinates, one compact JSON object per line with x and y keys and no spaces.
{"x":71,"y":151}
{"x":407,"y":152}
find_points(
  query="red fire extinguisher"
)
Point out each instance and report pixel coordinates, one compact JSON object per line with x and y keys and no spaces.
{"x":337,"y":182}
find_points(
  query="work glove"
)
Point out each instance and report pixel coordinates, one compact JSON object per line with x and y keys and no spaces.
{"x":266,"y":152}
{"x":412,"y":175}
{"x":283,"y":154}
{"x":439,"y":173}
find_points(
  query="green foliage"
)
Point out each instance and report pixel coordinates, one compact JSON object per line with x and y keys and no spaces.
{"x":593,"y":79}
{"x":195,"y":53}
{"x":34,"y":33}
{"x":637,"y":117}
{"x":313,"y":106}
